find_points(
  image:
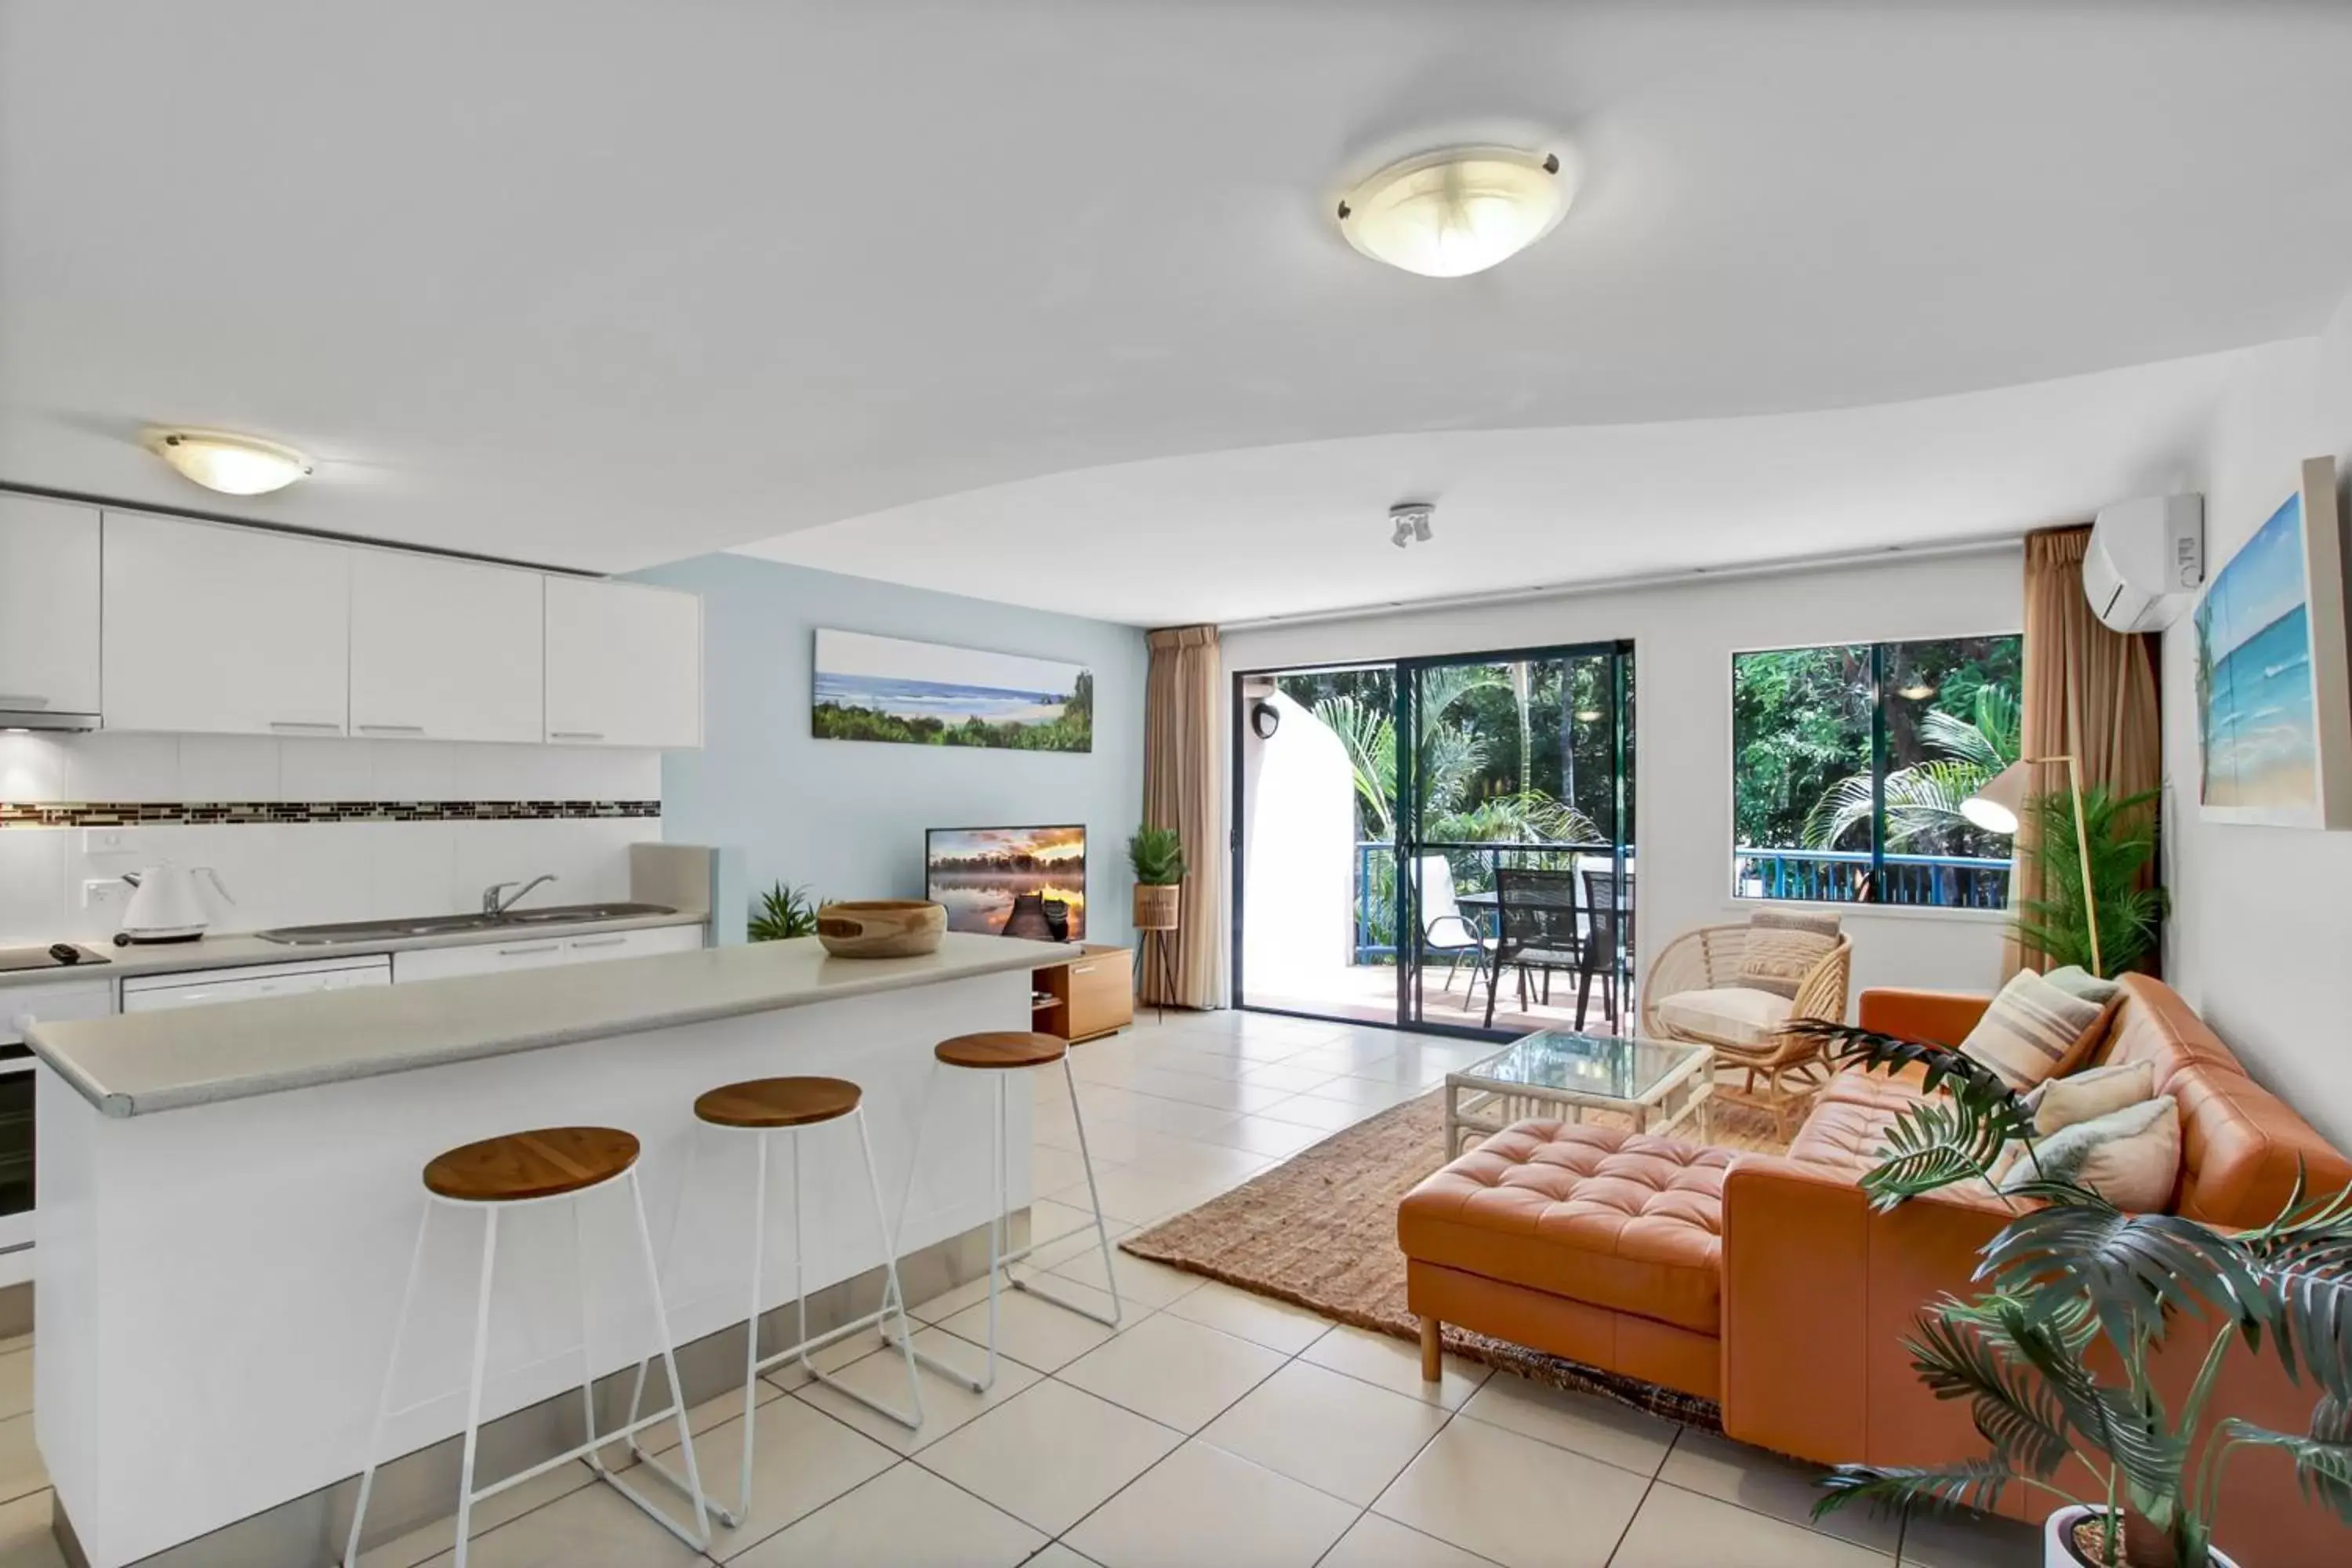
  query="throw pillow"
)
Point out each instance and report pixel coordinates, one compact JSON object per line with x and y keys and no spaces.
{"x":2033,"y":1030}
{"x":2076,"y":981}
{"x":1781,"y":949}
{"x":2130,"y":1157}
{"x":2080,"y":1097}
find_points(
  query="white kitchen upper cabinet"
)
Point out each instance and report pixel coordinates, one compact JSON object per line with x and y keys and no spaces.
{"x":445,"y":650}
{"x":49,"y":605}
{"x":623,"y":664}
{"x":215,"y":630}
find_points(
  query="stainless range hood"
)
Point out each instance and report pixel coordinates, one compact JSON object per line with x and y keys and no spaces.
{"x":34,"y":713}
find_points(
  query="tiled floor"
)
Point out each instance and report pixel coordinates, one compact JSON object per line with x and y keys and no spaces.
{"x":1214,"y":1426}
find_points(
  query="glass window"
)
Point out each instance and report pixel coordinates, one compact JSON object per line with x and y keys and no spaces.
{"x":1850,"y":762}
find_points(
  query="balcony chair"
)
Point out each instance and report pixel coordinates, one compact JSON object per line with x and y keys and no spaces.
{"x":1601,"y":946}
{"x":1444,"y":929}
{"x":1703,"y":990}
{"x":1537,"y":913}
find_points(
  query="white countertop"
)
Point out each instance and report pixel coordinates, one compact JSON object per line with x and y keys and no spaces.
{"x":233,"y":952}
{"x":141,"y":1063}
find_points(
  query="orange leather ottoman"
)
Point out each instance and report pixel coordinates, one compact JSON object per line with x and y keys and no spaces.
{"x":1594,"y":1243}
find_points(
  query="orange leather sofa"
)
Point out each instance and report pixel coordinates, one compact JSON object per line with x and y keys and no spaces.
{"x":1597,"y":1244}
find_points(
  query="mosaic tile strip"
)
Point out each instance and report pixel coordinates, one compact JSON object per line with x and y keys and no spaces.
{"x":155,"y":814}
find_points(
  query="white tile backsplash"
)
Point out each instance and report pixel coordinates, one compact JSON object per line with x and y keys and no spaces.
{"x":108,"y":765}
{"x":230,"y":767}
{"x":326,"y":770}
{"x":32,"y":767}
{"x":113,"y":766}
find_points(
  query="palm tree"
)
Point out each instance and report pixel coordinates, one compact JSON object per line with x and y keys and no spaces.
{"x":1450,"y":760}
{"x":1923,"y":801}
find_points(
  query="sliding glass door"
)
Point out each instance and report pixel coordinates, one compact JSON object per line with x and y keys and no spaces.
{"x":1442,"y":843}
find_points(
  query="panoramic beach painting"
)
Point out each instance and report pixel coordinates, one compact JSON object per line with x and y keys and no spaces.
{"x":929,"y":694}
{"x":2271,"y":700}
{"x":1010,"y":881}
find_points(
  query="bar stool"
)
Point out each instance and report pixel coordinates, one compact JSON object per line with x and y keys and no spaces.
{"x":762,"y":1108}
{"x":548,"y":1164}
{"x":1003,"y":1055}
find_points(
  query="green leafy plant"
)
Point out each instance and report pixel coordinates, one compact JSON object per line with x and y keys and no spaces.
{"x":1158,"y":856}
{"x":2121,"y":830}
{"x":1923,"y":801}
{"x":781,"y":913}
{"x":2078,"y":1291}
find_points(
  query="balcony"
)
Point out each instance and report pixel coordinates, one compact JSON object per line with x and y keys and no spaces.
{"x":1844,"y":876}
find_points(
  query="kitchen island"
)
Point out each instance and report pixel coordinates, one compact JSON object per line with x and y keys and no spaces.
{"x":230,"y":1196}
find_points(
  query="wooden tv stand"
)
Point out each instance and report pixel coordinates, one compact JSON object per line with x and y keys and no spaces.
{"x":1087,"y":997}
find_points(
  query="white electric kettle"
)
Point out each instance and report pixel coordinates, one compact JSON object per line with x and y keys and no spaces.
{"x":168,"y":905}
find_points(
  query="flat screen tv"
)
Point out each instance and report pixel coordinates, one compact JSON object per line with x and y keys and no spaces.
{"x":1009,"y":881}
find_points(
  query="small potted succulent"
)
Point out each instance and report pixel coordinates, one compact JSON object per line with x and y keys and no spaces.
{"x":2055,"y":1355}
{"x":1158,"y":856}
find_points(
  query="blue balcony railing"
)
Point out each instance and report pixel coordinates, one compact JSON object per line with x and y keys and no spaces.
{"x":1474,"y":872}
{"x":1844,"y":876}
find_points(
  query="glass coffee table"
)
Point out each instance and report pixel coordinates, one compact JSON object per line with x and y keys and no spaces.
{"x":1658,"y":1084}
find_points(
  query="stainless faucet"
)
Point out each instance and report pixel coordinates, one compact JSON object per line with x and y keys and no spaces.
{"x":495,"y":905}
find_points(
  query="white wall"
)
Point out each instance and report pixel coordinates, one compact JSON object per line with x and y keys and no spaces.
{"x":2262,"y":925}
{"x":297,"y":873}
{"x":1684,"y":638}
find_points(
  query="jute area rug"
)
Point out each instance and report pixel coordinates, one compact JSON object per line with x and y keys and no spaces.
{"x":1320,"y":1231}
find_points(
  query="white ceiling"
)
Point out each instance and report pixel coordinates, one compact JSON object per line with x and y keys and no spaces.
{"x":603,"y":284}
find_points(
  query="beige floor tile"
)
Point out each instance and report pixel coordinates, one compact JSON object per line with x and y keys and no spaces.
{"x":1138,"y":1197}
{"x":1349,"y":1055}
{"x":25,"y":1541}
{"x":1052,"y":1220}
{"x":1178,"y":1374}
{"x":427,"y":1541}
{"x":23,"y":1342}
{"x":1050,"y":1454}
{"x":1286,"y":1076}
{"x":1194,"y":1060}
{"x":1052,"y":1169}
{"x":1203,"y":1505}
{"x":1110,"y":1143}
{"x":947,"y":1405}
{"x":1599,"y":1428}
{"x":1331,"y":1432}
{"x":1676,"y":1528}
{"x":1377,"y":1543}
{"x":1973,"y":1540}
{"x":1765,"y":1483}
{"x":1523,"y":1503}
{"x":1365,"y":1094}
{"x":715,"y":1411}
{"x":1327,"y":1116}
{"x":904,"y":1518}
{"x":21,"y":1470}
{"x":16,"y":1383}
{"x":1229,"y":1092}
{"x":1060,"y":1556}
{"x":1142,"y":1282}
{"x":1190,"y":1159}
{"x":1268,"y":1139}
{"x":1034,"y":1332}
{"x":802,"y":1459}
{"x":1081,"y":1243}
{"x":595,"y":1526}
{"x":1261,"y":1319}
{"x":1148,"y":1110}
{"x":1395,"y":1364}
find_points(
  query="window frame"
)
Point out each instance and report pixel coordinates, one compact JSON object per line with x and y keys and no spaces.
{"x":1881,"y":649}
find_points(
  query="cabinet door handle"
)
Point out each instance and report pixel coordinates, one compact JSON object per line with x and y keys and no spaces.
{"x":314,"y":726}
{"x":599,"y":940}
{"x":575,"y":734}
{"x":519,"y":952}
{"x":391,"y":729}
{"x":1082,"y":969}
{"x":22,"y":701}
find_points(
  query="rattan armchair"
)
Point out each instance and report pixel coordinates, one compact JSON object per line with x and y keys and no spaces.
{"x":1792,"y":1068}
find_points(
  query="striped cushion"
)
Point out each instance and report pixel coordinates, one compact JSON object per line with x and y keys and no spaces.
{"x":2035,"y":1030}
{"x":1781,"y":949}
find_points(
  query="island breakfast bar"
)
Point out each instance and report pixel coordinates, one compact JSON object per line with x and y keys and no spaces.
{"x":230,"y":1197}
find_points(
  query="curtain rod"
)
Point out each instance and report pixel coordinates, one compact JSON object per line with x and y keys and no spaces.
{"x":1680,"y":577}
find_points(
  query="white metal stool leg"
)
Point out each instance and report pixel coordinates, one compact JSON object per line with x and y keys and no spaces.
{"x":474,"y":1383}
{"x":669,"y":1249}
{"x":383,"y":1400}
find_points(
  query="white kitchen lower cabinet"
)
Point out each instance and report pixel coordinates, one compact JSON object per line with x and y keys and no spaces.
{"x":524,"y":951}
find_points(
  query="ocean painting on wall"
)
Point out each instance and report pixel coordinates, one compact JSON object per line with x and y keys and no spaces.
{"x":2273,"y":723}
{"x":929,"y":694}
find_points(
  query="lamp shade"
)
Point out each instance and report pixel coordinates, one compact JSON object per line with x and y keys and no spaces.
{"x":1995,"y":808}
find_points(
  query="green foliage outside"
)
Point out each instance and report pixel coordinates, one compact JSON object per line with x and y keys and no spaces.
{"x":1157,"y":855}
{"x":1074,"y":730}
{"x":781,"y":913}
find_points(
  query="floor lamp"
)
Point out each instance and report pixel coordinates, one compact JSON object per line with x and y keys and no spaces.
{"x":1996,"y":808}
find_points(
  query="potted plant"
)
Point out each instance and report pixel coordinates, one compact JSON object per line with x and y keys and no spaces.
{"x":2055,"y":1355}
{"x":1158,"y":856}
{"x":781,"y":913}
{"x":2121,"y":833}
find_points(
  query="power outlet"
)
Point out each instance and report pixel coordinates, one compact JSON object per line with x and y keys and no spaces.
{"x":105,"y":840}
{"x":105,"y":893}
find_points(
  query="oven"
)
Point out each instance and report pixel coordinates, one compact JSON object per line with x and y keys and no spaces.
{"x":20,"y":1006}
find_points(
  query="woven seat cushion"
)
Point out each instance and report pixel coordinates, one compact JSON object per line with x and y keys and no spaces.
{"x":1625,"y":1220}
{"x":1726,"y":1016}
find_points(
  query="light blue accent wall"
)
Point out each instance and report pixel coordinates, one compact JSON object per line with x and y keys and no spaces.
{"x":846,"y":817}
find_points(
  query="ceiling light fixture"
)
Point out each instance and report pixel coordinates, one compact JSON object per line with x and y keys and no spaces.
{"x":233,"y":465}
{"x":1456,"y":211}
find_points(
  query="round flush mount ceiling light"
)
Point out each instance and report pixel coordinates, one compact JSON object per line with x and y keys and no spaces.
{"x":233,"y":465}
{"x":1456,"y":211}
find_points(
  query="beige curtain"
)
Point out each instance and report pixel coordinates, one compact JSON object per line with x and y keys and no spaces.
{"x":2090,"y":693}
{"x":1183,"y":770}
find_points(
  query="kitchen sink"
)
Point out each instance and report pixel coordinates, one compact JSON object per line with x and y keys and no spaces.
{"x":456,"y":925}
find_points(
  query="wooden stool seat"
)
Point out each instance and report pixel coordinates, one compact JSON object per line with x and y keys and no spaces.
{"x":779,"y":1103}
{"x":544,"y":1162}
{"x":1001,"y":1051}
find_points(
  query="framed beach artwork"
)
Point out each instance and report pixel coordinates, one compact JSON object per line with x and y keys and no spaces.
{"x":2273,"y":711}
{"x":930,"y":694}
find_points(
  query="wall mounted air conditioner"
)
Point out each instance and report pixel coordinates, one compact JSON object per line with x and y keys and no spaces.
{"x":2146,"y":560}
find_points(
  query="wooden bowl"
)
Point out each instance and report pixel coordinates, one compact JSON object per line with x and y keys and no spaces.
{"x":881,"y":928}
